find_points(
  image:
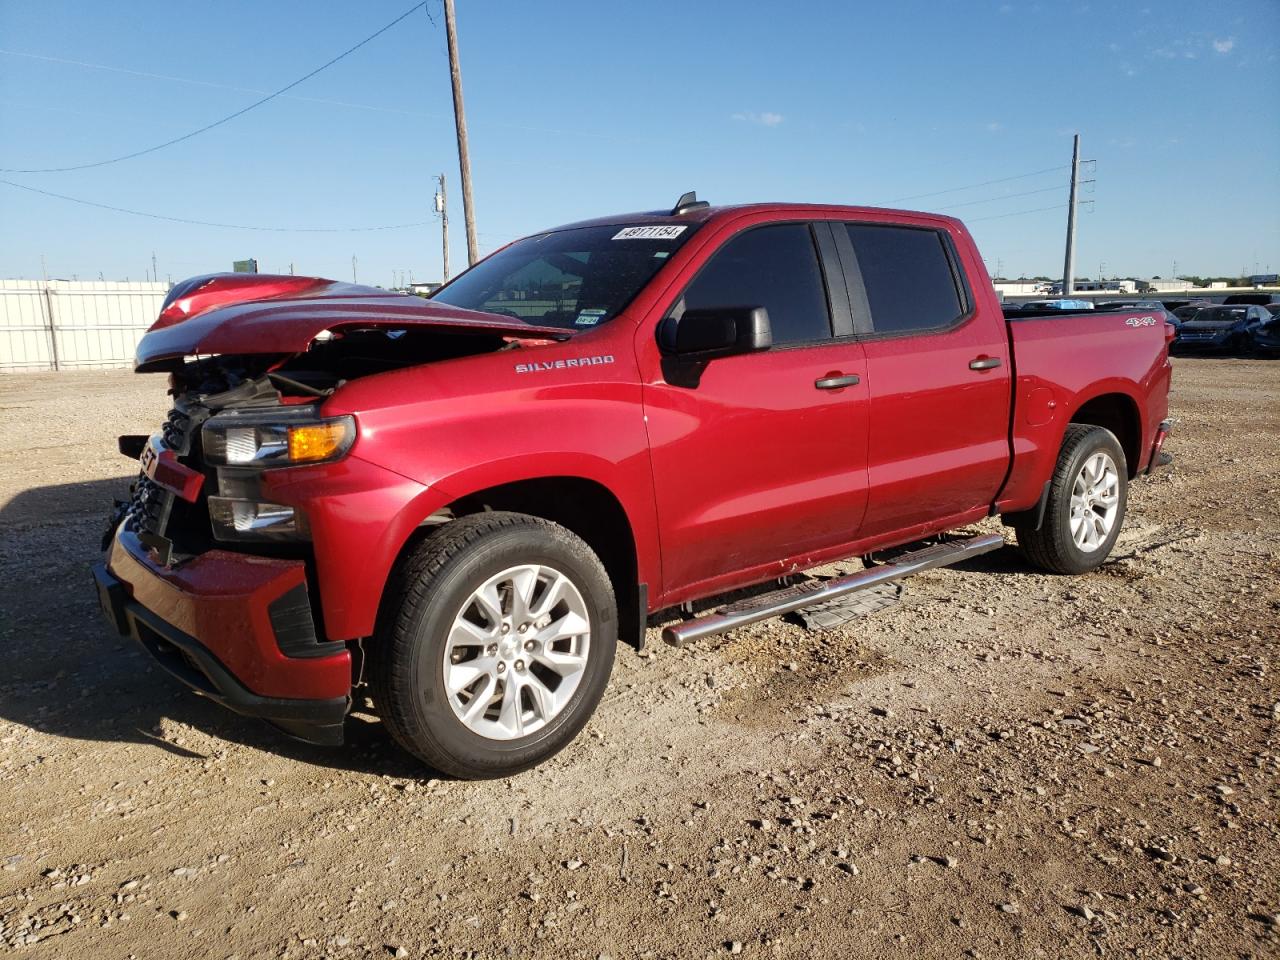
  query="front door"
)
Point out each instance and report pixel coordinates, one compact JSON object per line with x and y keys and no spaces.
{"x":763,"y":458}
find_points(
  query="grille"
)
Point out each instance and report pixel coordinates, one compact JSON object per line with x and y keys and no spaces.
{"x":175,"y":431}
{"x":150,"y":506}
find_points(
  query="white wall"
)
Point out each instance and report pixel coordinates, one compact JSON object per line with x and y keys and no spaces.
{"x":1021,"y":288}
{"x":94,"y":323}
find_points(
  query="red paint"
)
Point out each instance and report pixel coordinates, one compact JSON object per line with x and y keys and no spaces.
{"x":268,"y":314}
{"x":161,"y":465}
{"x":220,"y":598}
{"x":751,"y":474}
{"x":202,"y":294}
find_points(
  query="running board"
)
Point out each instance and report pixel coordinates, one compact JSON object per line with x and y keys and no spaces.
{"x":810,"y":592}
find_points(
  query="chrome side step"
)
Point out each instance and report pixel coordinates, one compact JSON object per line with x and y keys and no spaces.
{"x":817,"y":591}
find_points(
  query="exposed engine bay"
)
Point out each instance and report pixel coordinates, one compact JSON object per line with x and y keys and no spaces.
{"x":332,"y":359}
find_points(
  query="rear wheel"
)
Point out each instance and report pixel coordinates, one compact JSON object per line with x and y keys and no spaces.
{"x":496,"y":645}
{"x":1087,"y":498}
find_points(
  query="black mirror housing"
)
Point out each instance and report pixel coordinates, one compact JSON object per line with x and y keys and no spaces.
{"x":707,"y":333}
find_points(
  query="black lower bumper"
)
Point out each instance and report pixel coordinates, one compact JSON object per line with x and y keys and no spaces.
{"x":315,"y":721}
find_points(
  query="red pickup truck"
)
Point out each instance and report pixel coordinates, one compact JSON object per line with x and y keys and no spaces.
{"x":468,"y":501}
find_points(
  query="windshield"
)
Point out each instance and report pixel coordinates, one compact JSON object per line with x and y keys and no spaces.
{"x":576,"y":279}
{"x":1220,"y":314}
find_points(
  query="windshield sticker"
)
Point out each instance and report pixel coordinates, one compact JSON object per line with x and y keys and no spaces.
{"x":649,"y":233}
{"x":589,"y":318}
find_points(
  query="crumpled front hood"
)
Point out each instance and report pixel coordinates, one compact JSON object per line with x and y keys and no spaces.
{"x":250,"y":313}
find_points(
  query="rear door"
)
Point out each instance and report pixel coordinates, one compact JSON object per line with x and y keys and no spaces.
{"x":939,"y":378}
{"x":760,"y":457}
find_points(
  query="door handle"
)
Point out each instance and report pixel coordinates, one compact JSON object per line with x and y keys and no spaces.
{"x":836,"y":382}
{"x":984,"y":363}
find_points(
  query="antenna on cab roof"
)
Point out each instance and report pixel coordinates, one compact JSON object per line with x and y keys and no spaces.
{"x":688,"y":201}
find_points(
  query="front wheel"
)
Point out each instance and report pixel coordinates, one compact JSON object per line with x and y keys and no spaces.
{"x":496,"y":645}
{"x":1087,"y":498}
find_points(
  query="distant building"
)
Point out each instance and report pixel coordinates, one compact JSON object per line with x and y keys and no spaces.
{"x":1105,"y":286}
{"x":1020,"y":288}
{"x":1156,"y":285}
{"x":423,"y":289}
{"x":1096,"y":286}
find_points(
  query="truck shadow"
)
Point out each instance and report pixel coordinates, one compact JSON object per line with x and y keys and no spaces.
{"x":68,"y":674}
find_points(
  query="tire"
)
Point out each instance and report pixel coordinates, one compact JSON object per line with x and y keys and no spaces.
{"x":1057,"y":545}
{"x":522,"y":707}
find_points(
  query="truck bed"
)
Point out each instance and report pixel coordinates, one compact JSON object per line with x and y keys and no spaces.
{"x":1059,"y":357}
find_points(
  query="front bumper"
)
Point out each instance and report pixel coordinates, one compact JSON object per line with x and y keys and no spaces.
{"x":1205,"y":341}
{"x":235,"y":628}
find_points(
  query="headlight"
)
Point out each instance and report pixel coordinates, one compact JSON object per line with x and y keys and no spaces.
{"x":280,"y":438}
{"x":243,"y":444}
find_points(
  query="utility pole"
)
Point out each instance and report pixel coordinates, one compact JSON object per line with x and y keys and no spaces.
{"x":1069,"y":266}
{"x":353,"y":269}
{"x":460,"y":121}
{"x":444,"y":223}
{"x":48,"y":305}
{"x":154,"y":275}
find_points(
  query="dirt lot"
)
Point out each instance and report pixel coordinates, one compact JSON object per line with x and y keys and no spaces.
{"x":1005,"y":764}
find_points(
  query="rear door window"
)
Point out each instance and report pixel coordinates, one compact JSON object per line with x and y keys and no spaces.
{"x":775,"y":267}
{"x":907,"y":272}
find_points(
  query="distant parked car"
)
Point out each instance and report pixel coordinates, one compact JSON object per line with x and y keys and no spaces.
{"x":1261,"y":299}
{"x":1135,"y":305}
{"x":1187,"y":311}
{"x":1266,"y":336}
{"x":1226,"y":327}
{"x":1057,"y":304}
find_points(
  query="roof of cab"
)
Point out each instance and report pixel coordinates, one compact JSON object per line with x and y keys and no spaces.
{"x":704,"y":214}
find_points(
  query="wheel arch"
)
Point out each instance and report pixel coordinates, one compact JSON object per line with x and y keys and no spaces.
{"x":1118,"y":412}
{"x":585,"y":507}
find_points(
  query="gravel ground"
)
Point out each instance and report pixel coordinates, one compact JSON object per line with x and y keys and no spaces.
{"x":1004,"y":764}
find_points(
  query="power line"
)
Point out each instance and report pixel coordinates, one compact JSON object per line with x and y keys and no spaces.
{"x":974,"y":186}
{"x":1007,"y":196}
{"x":218,"y":123}
{"x":326,"y":101}
{"x":1019,"y":213}
{"x":204,"y":83}
{"x":207,"y":223}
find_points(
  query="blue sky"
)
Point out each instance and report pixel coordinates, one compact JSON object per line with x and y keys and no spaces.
{"x":582,"y":108}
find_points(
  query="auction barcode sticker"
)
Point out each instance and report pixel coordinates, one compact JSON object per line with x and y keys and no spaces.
{"x":648,"y":233}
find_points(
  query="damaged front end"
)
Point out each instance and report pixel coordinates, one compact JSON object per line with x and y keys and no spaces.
{"x":248,"y":498}
{"x":251,"y":359}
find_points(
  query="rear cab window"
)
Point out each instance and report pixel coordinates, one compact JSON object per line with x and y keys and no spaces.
{"x":909,"y":278}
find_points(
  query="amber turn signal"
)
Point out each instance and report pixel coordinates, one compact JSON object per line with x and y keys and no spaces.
{"x":317,"y":441}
